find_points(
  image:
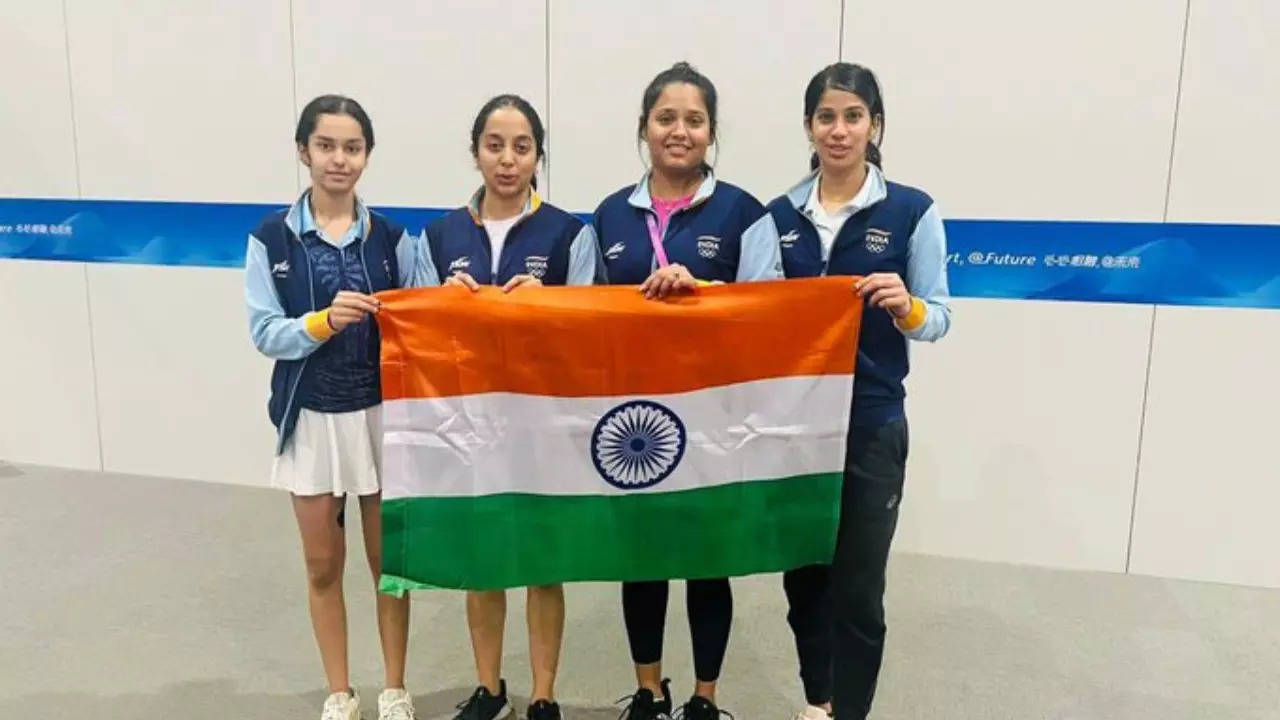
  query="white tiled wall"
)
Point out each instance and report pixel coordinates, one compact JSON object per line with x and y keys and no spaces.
{"x":1014,"y":109}
{"x":39,"y":156}
{"x":182,"y":102}
{"x":1027,"y":422}
{"x":1227,"y":148}
{"x":421,"y":70}
{"x":1024,"y":433}
{"x":181,"y":390}
{"x":47,"y":411}
{"x":1209,"y":488}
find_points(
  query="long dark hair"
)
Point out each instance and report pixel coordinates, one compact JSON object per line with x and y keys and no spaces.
{"x":858,"y":80}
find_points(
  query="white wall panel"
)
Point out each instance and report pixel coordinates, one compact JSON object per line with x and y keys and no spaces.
{"x":47,"y":415}
{"x":182,"y":391}
{"x":1209,"y":486}
{"x":1227,"y":152}
{"x":1024,"y":434}
{"x":422,"y":70}
{"x":190,"y":101}
{"x":39,"y":152}
{"x":1015,"y":109}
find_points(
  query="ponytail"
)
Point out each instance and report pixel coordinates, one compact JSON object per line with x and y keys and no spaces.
{"x":873,"y":154}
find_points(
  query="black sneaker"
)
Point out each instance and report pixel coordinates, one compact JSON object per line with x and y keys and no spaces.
{"x":700,"y":708}
{"x":484,"y":705}
{"x":644,"y":706}
{"x":543,"y":710}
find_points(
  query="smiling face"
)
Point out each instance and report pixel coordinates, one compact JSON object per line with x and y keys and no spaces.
{"x":678,"y":129}
{"x":335,"y":153}
{"x":840,"y":128}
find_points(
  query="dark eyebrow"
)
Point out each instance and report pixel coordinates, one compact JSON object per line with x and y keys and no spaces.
{"x":828,"y":108}
{"x":518,"y":138}
{"x":326,"y":138}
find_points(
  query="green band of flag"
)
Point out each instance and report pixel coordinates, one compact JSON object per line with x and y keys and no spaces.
{"x":512,"y":539}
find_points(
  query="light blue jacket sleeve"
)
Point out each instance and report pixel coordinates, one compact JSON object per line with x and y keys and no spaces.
{"x":414,"y":258}
{"x":927,"y":276}
{"x":274,"y":334}
{"x":586,"y":266}
{"x":760,"y":254}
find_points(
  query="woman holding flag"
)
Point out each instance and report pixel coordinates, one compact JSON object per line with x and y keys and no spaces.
{"x":677,"y":228}
{"x":310,"y":275}
{"x":845,"y":218}
{"x":507,"y":236}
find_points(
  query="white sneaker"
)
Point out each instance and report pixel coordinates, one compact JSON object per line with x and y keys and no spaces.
{"x":341,"y":706}
{"x":395,"y":705}
{"x":812,"y":712}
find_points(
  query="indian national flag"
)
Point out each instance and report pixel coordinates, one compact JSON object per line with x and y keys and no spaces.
{"x":585,"y":433}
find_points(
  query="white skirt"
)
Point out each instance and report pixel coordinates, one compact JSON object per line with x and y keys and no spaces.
{"x":332,"y":454}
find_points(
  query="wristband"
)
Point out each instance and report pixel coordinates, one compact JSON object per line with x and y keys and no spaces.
{"x":915,"y":317}
{"x":318,"y":326}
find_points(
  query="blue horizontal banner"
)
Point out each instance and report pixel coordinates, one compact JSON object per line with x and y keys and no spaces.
{"x":144,"y":233}
{"x":1148,"y":263}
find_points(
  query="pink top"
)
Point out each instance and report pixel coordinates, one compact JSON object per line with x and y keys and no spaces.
{"x":666,"y":208}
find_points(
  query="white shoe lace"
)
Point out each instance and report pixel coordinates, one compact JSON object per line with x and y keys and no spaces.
{"x":335,"y":707}
{"x":399,"y":709}
{"x":811,"y":713}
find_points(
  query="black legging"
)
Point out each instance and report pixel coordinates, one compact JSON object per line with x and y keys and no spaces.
{"x":710,"y":604}
{"x":837,"y":610}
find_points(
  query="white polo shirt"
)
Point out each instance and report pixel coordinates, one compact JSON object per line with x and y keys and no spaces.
{"x":828,"y":224}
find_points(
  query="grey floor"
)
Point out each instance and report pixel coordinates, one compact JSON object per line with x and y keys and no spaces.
{"x":143,"y":598}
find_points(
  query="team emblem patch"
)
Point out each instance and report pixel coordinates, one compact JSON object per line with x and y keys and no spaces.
{"x":708,"y":246}
{"x":536,"y":265}
{"x":877,"y":240}
{"x":789,"y":239}
{"x":460,"y":265}
{"x":615,"y":251}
